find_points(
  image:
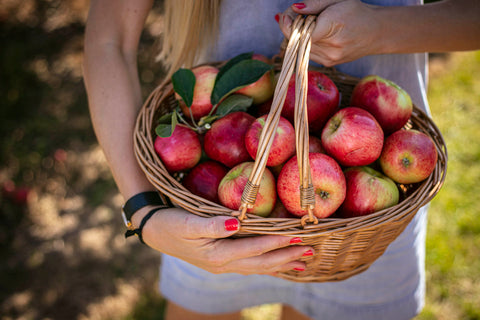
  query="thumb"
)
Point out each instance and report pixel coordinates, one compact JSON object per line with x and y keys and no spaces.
{"x":312,"y":6}
{"x":212,"y":228}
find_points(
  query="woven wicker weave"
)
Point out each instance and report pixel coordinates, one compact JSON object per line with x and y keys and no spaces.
{"x":343,"y":247}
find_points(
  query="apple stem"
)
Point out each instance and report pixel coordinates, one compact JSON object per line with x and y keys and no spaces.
{"x":405,"y":162}
{"x":194,"y":127}
{"x":324,"y":194}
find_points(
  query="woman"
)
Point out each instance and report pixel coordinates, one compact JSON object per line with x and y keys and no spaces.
{"x":203,"y":273}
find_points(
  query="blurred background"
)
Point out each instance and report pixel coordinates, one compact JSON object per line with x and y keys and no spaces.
{"x":62,"y":250}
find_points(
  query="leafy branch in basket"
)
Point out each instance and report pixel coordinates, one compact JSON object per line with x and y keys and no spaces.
{"x":207,"y":93}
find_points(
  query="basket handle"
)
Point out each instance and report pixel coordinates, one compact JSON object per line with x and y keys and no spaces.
{"x":296,"y":56}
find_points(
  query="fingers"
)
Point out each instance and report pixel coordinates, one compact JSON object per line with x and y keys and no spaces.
{"x":252,"y":246}
{"x":256,"y":256}
{"x":196,"y":227}
{"x":312,"y":6}
{"x":285,"y":21}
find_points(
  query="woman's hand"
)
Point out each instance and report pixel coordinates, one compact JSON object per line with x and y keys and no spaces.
{"x":350,"y":29}
{"x":204,"y":243}
{"x":345,"y":29}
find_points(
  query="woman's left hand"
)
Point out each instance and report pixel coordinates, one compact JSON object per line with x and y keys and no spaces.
{"x":345,"y":29}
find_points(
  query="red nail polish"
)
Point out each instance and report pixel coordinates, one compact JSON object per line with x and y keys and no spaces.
{"x":299,"y":5}
{"x":308,"y":253}
{"x":277,"y":17}
{"x":231,"y":225}
{"x":295,"y":240}
{"x":299,"y":269}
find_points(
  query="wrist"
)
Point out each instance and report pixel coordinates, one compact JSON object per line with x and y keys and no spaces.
{"x":140,"y":214}
{"x":140,"y":202}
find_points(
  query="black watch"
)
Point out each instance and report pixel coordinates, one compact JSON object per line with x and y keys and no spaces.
{"x":138,"y":201}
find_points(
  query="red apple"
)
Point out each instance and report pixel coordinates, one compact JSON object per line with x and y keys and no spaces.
{"x":408,"y":156}
{"x":204,"y":178}
{"x":225,"y":141}
{"x":262,"y":89}
{"x":181,"y":151}
{"x":204,"y":81}
{"x":328,"y":181}
{"x":353,"y":137}
{"x":368,"y":191}
{"x":232,"y":185}
{"x":18,"y":195}
{"x":385,"y":100}
{"x":263,"y":108}
{"x":322,"y":100}
{"x":283,"y":145}
{"x":279,"y":211}
{"x":315,"y":144}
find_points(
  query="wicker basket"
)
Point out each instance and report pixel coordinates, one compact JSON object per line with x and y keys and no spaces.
{"x":343,"y":247}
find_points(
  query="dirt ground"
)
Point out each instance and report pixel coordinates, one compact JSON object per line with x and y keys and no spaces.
{"x":63,"y":254}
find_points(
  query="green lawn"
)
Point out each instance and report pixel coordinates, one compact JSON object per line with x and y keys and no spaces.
{"x":453,"y":240}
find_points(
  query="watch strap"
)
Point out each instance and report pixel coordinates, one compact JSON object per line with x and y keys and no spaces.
{"x":141,"y":200}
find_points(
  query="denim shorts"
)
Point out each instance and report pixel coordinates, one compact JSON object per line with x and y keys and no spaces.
{"x":392,"y":288}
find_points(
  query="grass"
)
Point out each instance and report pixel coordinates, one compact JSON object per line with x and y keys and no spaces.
{"x":453,"y":239}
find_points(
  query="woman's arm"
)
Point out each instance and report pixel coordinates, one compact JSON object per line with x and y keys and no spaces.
{"x":350,"y":29}
{"x":110,"y":69}
{"x":113,"y":31}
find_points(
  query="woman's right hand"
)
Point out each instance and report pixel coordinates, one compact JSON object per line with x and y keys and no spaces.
{"x":205,"y":243}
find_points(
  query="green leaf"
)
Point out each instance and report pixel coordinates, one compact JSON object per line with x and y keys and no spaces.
{"x":235,"y":102}
{"x":230,"y":63}
{"x":238,"y":76}
{"x":165,"y":129}
{"x":183,"y":81}
{"x":166,"y":118}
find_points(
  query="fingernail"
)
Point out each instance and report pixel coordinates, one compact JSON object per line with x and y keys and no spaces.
{"x":277,"y":17}
{"x":308,"y":253}
{"x":299,"y":269}
{"x":299,"y":5}
{"x":295,"y":240}
{"x":231,"y":225}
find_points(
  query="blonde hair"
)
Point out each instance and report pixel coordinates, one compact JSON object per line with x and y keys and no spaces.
{"x":189,"y":28}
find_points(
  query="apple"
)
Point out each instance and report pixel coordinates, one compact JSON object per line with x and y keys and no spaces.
{"x":322,"y":100}
{"x":408,"y":156}
{"x":204,"y":82}
{"x":204,"y":178}
{"x":283,"y":145}
{"x":353,"y":137}
{"x":225,"y":141}
{"x":180,"y":151}
{"x":232,"y":185}
{"x":262,"y":89}
{"x":385,"y":100}
{"x":263,"y":108}
{"x":279,"y":211}
{"x":18,"y":195}
{"x":315,"y":144}
{"x":327,"y":179}
{"x":368,"y":191}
